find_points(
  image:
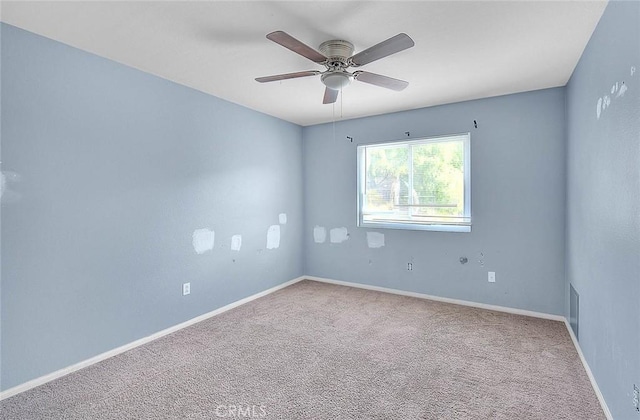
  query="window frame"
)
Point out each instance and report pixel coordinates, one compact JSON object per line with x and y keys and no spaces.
{"x":438,"y":227}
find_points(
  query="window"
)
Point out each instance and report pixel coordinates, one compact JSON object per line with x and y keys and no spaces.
{"x":419,"y":184}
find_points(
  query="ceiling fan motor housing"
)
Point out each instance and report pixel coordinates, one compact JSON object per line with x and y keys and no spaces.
{"x":338,"y":52}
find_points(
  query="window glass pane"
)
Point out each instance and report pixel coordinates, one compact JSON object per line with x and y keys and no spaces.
{"x":387,"y":168}
{"x":438,"y":180}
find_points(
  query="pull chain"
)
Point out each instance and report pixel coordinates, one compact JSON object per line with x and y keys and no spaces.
{"x":334,"y":121}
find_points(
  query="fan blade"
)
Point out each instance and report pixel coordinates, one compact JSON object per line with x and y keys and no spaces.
{"x":330,"y":96}
{"x":380,"y":80}
{"x":287,"y":76}
{"x":392,"y":45}
{"x":296,"y":46}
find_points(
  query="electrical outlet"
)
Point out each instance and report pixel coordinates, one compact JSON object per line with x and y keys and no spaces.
{"x":636,"y":397}
{"x":492,"y":277}
{"x":186,"y":289}
{"x":409,"y":266}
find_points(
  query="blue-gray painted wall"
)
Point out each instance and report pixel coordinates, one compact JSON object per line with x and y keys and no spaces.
{"x":109,"y":171}
{"x":518,"y":189}
{"x":603,"y":203}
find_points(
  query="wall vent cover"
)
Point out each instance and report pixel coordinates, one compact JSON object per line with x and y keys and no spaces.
{"x":574,"y":309}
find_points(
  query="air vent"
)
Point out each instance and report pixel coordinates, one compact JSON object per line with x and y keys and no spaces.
{"x":574,"y":309}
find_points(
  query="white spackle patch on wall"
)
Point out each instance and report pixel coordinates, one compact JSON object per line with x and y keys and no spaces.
{"x":282,"y":218}
{"x":236,"y":242}
{"x":338,"y":235}
{"x":7,"y":179}
{"x":203,"y":240}
{"x":3,"y":183}
{"x":273,"y":237}
{"x":618,"y":89}
{"x":319,"y":234}
{"x":375,"y":239}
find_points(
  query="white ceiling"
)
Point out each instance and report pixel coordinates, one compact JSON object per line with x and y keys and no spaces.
{"x":464,"y":49}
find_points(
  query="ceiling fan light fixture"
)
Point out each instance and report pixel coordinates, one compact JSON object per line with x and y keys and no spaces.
{"x":336,"y":80}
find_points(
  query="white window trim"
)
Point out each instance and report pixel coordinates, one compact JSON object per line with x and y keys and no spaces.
{"x":438,"y":227}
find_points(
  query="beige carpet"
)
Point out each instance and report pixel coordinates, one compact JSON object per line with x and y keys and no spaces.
{"x":321,"y":351}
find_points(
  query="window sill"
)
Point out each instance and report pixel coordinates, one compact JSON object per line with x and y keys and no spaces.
{"x":432,"y":228}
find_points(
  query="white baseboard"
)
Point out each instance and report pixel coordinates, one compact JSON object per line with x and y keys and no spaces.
{"x":441,"y":299}
{"x":592,"y":379}
{"x":75,"y":367}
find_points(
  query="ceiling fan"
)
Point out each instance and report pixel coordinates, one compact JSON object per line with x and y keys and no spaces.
{"x":336,"y":56}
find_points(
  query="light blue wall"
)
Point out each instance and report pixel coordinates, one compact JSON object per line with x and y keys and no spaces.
{"x":518,"y":189}
{"x":603,"y":203}
{"x":110,"y":170}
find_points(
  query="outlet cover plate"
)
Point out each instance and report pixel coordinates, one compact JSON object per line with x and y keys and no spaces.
{"x":186,"y":289}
